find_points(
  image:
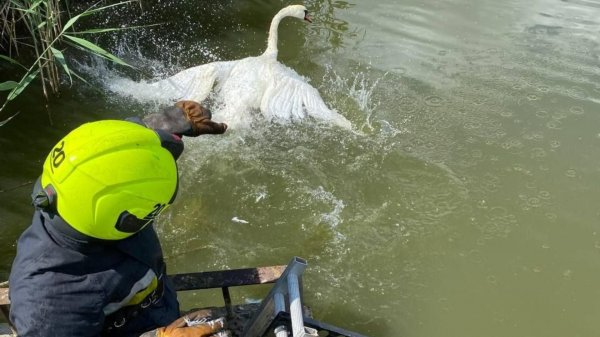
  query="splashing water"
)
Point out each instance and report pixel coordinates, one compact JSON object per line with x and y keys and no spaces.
{"x":359,"y":89}
{"x":239,"y":92}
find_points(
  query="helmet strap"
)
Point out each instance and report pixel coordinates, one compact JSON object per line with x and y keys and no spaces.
{"x":129,"y":223}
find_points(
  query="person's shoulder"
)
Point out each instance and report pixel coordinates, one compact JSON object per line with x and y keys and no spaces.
{"x":33,"y":244}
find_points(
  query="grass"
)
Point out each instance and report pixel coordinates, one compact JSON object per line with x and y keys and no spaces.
{"x":37,"y":27}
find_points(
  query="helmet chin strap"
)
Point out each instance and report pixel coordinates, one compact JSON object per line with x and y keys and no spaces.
{"x":130,"y":223}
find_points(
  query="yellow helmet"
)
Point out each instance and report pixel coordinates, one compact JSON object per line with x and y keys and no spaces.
{"x":110,"y":178}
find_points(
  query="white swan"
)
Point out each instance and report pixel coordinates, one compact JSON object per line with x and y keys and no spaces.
{"x":254,"y":83}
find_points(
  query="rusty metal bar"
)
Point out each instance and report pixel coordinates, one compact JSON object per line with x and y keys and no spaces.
{"x":4,"y":297}
{"x":226,"y":278}
{"x":209,"y":279}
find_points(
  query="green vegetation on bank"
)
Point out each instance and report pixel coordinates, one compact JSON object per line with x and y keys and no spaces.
{"x":35,"y":27}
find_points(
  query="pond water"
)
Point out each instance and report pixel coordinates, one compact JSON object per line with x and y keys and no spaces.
{"x":460,"y":204}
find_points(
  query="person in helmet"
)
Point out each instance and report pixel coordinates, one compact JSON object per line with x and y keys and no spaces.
{"x":91,"y":263}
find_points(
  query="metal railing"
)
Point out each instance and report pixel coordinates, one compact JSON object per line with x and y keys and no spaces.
{"x":281,"y":311}
{"x":289,"y":284}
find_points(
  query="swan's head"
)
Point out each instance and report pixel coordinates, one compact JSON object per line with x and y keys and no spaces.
{"x":297,"y":11}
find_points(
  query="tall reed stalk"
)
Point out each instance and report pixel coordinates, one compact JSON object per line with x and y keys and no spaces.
{"x":36,"y":25}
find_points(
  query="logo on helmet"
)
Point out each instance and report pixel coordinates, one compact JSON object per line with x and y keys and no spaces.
{"x":155,"y":212}
{"x":58,"y":155}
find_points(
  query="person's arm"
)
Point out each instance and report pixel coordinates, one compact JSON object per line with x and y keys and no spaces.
{"x":55,"y":311}
{"x":185,"y":118}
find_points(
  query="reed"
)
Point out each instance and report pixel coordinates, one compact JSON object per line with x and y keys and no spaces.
{"x":37,"y":26}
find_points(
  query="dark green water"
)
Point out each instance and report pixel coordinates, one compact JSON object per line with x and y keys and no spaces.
{"x":465,"y":206}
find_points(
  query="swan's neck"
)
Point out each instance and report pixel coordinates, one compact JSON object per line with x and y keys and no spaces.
{"x":272,"y":41}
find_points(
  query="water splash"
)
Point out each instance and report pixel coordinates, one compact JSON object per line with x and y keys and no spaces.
{"x":333,"y":218}
{"x":359,"y":88}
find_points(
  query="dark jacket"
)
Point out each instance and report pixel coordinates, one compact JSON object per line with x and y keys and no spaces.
{"x":62,"y":282}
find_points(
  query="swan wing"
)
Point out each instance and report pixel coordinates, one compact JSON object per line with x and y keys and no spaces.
{"x":289,"y":97}
{"x":195,"y":83}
